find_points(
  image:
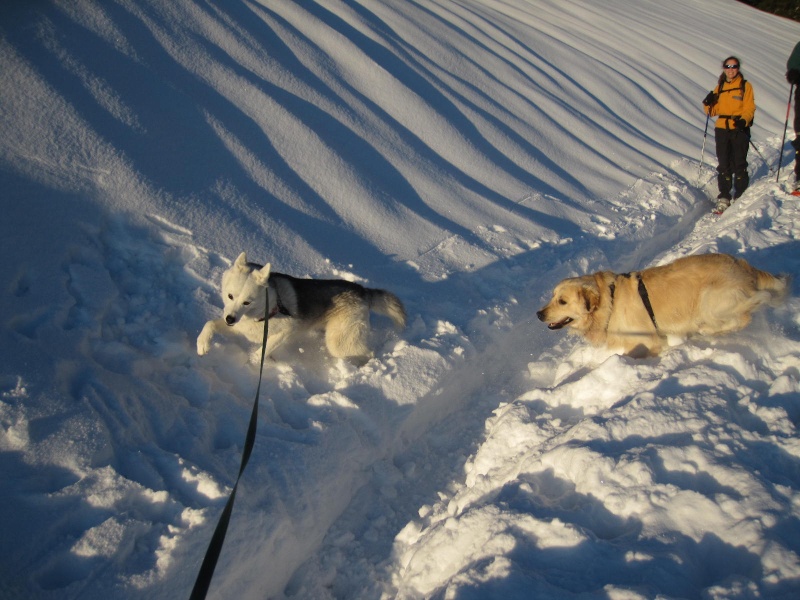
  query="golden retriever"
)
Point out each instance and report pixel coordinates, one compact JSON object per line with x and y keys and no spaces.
{"x":707,"y":294}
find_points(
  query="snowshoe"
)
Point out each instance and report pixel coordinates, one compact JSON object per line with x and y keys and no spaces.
{"x":720,"y":207}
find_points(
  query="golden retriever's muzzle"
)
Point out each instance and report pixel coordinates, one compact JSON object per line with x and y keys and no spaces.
{"x":543,"y":317}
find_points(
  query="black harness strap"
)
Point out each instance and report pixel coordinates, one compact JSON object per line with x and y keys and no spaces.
{"x":215,"y":546}
{"x":642,"y":288}
{"x":279,"y":307}
{"x":646,"y":301}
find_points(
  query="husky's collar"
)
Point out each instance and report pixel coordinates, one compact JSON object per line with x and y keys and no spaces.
{"x":279,"y":308}
{"x":273,"y":312}
{"x":642,"y":294}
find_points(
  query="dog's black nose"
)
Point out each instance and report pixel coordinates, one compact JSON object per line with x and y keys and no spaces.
{"x":230,"y":319}
{"x":540,"y":314}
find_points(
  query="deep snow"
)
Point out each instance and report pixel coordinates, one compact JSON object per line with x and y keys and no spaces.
{"x":466,"y":155}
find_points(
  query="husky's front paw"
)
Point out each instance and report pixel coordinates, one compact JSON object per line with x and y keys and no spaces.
{"x":204,"y":340}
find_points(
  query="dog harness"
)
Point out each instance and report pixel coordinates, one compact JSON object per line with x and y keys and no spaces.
{"x":279,"y":308}
{"x":642,"y":294}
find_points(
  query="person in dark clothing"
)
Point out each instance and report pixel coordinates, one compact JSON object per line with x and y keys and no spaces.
{"x":733,"y":103}
{"x":793,"y":77}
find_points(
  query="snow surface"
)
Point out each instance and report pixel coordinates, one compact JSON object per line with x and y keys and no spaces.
{"x":465,"y":154}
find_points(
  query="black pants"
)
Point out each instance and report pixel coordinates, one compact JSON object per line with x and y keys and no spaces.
{"x":796,"y":140}
{"x":732,"y":147}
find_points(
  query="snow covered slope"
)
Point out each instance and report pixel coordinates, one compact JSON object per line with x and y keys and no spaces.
{"x":466,"y":155}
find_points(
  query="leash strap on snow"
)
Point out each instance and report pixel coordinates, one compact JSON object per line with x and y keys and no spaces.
{"x":215,"y":546}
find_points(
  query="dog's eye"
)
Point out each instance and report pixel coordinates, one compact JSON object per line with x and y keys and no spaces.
{"x":230,"y":296}
{"x":246,"y":303}
{"x":561,"y":301}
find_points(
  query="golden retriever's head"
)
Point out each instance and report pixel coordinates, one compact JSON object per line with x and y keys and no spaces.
{"x":573,"y":302}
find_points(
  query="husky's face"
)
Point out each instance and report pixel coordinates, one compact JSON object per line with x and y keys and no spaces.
{"x":244,"y":291}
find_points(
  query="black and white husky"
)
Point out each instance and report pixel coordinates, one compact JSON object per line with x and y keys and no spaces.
{"x":340,"y":308}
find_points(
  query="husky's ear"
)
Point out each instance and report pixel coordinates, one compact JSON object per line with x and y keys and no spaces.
{"x":241,"y":262}
{"x":261,"y":277}
{"x":591,"y":296}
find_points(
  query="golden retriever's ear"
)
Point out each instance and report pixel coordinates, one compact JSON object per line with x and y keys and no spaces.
{"x":591,"y":296}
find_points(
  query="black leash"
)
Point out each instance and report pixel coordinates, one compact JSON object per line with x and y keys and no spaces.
{"x":215,"y":546}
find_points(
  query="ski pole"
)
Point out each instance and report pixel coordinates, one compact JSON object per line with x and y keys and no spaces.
{"x":760,"y":155}
{"x":785,"y":125}
{"x":703,"y":150}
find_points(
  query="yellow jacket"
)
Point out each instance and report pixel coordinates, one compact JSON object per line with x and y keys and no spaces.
{"x":732,"y":103}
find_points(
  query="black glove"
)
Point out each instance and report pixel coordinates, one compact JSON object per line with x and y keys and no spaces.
{"x":793,"y":76}
{"x":739,"y":123}
{"x":710,"y":100}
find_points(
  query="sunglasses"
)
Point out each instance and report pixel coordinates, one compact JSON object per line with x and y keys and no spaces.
{"x":731,"y":66}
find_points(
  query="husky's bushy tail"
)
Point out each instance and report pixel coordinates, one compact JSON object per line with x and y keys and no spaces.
{"x":388,"y":305}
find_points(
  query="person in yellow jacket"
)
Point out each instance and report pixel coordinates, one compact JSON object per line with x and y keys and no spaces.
{"x":734,"y":105}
